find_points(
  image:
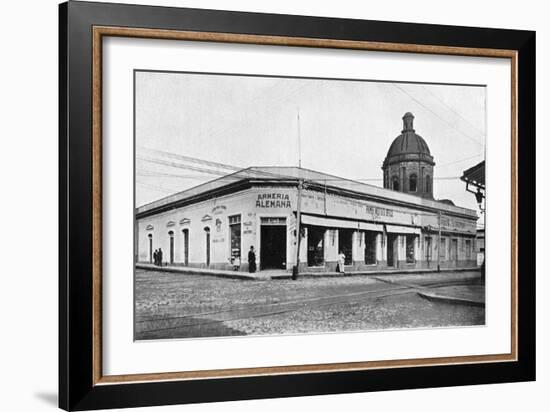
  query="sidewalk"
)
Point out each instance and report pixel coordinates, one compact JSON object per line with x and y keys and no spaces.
{"x":473,"y":295}
{"x":388,"y":274}
{"x":230,"y":274}
{"x":458,"y":287}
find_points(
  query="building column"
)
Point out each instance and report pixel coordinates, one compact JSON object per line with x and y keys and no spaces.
{"x":385,"y":247}
{"x":303,"y":248}
{"x":326,"y":245}
{"x":401,"y":248}
{"x":379,"y":250}
{"x":360,"y":252}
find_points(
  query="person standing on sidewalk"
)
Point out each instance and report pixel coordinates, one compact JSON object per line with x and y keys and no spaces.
{"x":341,"y":263}
{"x":251,"y":260}
{"x":160,"y":257}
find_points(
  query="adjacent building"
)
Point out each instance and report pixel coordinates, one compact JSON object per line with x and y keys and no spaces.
{"x":399,"y":226}
{"x":480,"y":246}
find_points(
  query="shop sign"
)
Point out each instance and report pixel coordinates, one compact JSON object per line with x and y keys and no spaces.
{"x":273,"y":200}
{"x":346,"y":207}
{"x":457,"y":224}
{"x":247,"y":227}
{"x":377,"y":212}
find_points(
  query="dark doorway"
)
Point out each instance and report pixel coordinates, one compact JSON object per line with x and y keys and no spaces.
{"x":345,"y":243}
{"x":207,"y":238}
{"x":315,"y":246}
{"x":392,"y":250}
{"x":150,"y":248}
{"x":428,"y":245}
{"x":171,"y":234}
{"x":273,"y":247}
{"x":370,"y":248}
{"x":186,"y":247}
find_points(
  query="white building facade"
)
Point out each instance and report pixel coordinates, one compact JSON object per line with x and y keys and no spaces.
{"x":374,"y":228}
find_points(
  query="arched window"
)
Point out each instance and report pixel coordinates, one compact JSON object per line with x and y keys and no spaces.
{"x":412,"y":183}
{"x":428,"y":184}
{"x":395,"y":183}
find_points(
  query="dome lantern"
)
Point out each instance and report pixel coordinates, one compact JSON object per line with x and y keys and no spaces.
{"x":408,"y":123}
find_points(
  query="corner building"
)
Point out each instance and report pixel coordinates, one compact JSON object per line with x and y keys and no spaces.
{"x":396,"y":227}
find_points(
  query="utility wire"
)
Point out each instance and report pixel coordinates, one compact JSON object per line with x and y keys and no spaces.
{"x":481,"y":133}
{"x":147,"y":173}
{"x":461,"y":160}
{"x":157,"y":188}
{"x":245,"y":172}
{"x":191,"y":159}
{"x":179,"y":165}
{"x":437,"y":115}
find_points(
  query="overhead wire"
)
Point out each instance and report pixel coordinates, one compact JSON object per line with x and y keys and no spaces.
{"x":437,"y":115}
{"x":205,"y":166}
{"x":481,"y":133}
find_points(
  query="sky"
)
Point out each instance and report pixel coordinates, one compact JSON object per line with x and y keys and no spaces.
{"x":191,"y":128}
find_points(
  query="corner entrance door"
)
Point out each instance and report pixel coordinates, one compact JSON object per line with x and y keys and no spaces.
{"x":273,"y":247}
{"x":392,"y":249}
{"x":207,"y":238}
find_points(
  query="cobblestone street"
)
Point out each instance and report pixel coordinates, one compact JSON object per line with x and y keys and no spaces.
{"x":171,"y":305}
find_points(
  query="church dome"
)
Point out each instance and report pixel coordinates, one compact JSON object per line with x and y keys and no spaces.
{"x":408,"y":145}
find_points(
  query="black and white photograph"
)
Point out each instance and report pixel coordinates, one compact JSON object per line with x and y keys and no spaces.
{"x":269,"y":205}
{"x":278,"y":206}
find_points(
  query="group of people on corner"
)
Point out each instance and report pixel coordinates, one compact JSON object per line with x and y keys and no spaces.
{"x":157,"y":257}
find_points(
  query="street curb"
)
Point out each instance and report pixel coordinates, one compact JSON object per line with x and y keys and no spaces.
{"x":310,"y":275}
{"x":450,"y":299}
{"x":187,"y":271}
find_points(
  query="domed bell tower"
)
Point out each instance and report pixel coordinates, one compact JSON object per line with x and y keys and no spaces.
{"x":408,"y":166}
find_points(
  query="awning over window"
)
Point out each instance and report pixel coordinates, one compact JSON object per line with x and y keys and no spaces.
{"x":373,"y":227}
{"x":348,"y":224}
{"x":403,"y":230}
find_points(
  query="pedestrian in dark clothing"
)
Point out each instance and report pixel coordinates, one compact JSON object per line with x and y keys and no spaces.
{"x":155,"y":257}
{"x":251,"y":260}
{"x":160,"y":256}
